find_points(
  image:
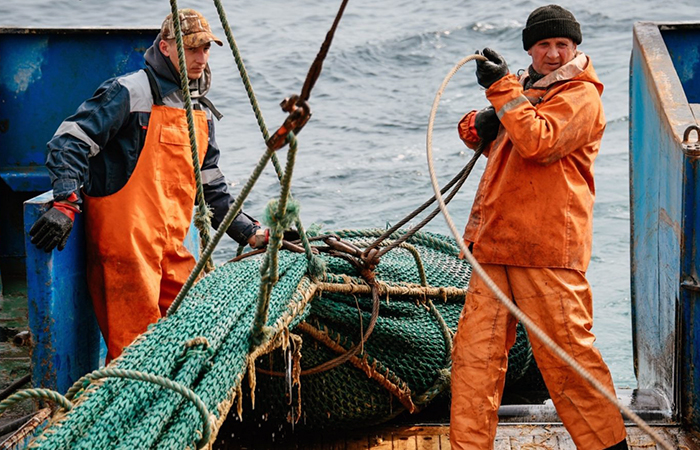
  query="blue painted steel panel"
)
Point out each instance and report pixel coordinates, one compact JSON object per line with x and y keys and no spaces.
{"x":27,"y":179}
{"x":682,"y":43}
{"x":66,"y":339}
{"x":662,"y":195}
{"x":47,"y":73}
{"x":65,"y":334}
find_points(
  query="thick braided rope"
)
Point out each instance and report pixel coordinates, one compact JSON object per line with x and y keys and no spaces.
{"x":161,"y":381}
{"x":261,"y":121}
{"x":411,"y":249}
{"x":46,"y":394}
{"x":279,"y":221}
{"x":353,"y":287}
{"x":529,"y":324}
{"x":225,"y":223}
{"x":372,"y":367}
{"x":424,"y":290}
{"x":203,"y":220}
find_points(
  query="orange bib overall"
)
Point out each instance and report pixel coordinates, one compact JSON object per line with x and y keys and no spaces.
{"x":136,"y":260}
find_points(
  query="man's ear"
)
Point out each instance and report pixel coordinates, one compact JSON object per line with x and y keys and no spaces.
{"x":164,"y":48}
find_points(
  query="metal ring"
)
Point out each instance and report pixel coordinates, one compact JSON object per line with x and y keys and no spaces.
{"x":686,"y":134}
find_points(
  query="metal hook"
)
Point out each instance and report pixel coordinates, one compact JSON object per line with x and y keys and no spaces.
{"x":686,"y":134}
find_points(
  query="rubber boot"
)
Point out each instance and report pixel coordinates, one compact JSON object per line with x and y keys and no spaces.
{"x":622,"y":445}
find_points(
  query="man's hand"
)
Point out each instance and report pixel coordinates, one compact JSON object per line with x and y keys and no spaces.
{"x":52,"y":229}
{"x":491,"y":70}
{"x":260,"y":238}
{"x":486,"y":123}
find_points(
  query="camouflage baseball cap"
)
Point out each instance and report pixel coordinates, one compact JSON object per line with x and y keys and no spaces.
{"x":195,"y":29}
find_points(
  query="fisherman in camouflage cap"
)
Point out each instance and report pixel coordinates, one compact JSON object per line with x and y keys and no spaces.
{"x":124,"y":161}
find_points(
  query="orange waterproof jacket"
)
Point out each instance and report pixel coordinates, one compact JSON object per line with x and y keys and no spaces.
{"x":534,"y":205}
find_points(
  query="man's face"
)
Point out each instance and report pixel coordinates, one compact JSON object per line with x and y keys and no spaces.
{"x":196,"y":58}
{"x":550,"y":54}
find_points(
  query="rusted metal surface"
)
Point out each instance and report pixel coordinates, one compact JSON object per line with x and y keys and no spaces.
{"x":22,"y":437}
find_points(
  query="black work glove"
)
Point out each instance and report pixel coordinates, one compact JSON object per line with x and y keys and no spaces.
{"x":53,"y":227}
{"x":486,"y":123}
{"x":492,"y":70}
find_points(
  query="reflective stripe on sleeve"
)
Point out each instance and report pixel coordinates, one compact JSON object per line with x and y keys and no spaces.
{"x":73,"y":129}
{"x":511,"y":105}
{"x":210,"y":175}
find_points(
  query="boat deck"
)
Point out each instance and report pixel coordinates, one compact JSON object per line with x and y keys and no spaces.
{"x":436,"y":437}
{"x":14,"y":353}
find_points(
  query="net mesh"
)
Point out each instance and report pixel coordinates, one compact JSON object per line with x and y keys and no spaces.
{"x":205,"y":346}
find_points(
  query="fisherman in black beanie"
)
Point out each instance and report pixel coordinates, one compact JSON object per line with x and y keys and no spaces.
{"x":530,"y":228}
{"x":548,"y":22}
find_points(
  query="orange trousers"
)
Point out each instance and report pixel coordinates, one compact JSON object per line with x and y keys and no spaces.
{"x":559,"y":301}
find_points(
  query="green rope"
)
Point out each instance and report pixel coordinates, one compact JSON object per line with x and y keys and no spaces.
{"x":441,"y":384}
{"x":279,"y":222}
{"x":225,"y":223}
{"x":315,"y":265}
{"x":46,"y":394}
{"x":203,"y":219}
{"x":155,"y":379}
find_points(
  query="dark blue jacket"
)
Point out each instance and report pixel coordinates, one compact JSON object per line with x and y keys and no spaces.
{"x":98,"y":146}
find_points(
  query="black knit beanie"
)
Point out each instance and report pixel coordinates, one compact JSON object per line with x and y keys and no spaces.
{"x":550,"y":21}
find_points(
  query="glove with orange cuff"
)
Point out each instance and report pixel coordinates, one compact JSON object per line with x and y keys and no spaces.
{"x":52,"y":229}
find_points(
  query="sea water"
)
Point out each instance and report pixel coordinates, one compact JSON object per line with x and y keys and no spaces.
{"x":361,"y":159}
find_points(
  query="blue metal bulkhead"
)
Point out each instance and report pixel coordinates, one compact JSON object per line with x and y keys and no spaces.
{"x":46,"y":74}
{"x":65,"y":336}
{"x":664,"y":187}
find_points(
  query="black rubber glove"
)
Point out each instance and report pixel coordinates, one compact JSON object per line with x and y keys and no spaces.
{"x":492,"y":70}
{"x":51,"y":229}
{"x":486,"y":123}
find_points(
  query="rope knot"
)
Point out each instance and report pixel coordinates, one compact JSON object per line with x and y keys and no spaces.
{"x":282,"y":221}
{"x":200,"y":347}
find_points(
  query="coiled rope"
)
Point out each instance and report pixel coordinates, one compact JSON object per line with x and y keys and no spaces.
{"x":514,"y":310}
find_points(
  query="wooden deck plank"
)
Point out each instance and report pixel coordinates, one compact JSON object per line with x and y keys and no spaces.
{"x":380,"y":442}
{"x":357,"y":442}
{"x":399,"y":441}
{"x":508,"y":437}
{"x":445,"y":441}
{"x":428,"y":442}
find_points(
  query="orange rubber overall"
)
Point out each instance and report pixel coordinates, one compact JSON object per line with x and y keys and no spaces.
{"x":531,"y":229}
{"x":136,"y":260}
{"x":559,"y":301}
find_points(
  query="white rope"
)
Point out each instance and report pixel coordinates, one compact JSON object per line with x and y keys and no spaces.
{"x":514,"y":310}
